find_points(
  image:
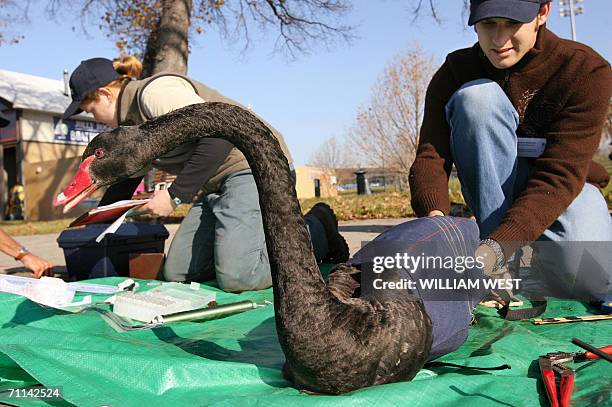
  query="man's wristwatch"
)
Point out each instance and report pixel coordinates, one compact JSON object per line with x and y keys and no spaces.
{"x":22,"y":252}
{"x":500,"y":257}
{"x":176,"y":201}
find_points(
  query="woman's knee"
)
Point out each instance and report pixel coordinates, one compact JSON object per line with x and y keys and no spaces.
{"x":244,"y":273}
{"x":241,"y":282}
{"x":182,"y":268}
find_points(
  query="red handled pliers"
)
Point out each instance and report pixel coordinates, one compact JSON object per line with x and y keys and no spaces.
{"x":552,"y":363}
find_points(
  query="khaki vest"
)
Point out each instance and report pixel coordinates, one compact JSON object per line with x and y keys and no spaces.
{"x":130,"y":114}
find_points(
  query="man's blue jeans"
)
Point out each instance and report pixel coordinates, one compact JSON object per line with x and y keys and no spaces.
{"x":222,"y":236}
{"x":483,"y":125}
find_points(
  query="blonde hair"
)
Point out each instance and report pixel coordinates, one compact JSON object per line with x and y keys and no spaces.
{"x":128,"y":66}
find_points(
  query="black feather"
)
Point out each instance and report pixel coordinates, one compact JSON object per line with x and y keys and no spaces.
{"x":333,"y":341}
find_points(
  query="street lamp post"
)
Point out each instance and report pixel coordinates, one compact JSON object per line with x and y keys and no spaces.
{"x":572,"y":11}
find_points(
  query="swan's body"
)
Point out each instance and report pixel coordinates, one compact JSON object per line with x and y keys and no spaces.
{"x":333,"y":343}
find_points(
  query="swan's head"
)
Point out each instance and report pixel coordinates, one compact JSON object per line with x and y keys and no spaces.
{"x":109,"y":157}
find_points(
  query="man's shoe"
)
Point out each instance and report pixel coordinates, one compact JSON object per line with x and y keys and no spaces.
{"x":338,"y":251}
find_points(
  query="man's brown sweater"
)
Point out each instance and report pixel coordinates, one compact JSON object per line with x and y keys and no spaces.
{"x":561,"y":91}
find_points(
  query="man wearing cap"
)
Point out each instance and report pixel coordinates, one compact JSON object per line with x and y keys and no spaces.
{"x":9,"y":246}
{"x":520,"y":115}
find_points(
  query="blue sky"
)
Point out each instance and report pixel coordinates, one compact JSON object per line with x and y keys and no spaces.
{"x":315,"y":97}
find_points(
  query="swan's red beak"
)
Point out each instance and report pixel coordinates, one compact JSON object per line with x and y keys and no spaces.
{"x":81,"y":186}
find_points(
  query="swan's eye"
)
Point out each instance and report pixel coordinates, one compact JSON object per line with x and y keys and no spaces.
{"x":99,"y":153}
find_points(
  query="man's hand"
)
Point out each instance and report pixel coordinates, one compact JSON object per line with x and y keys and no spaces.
{"x":160,"y":204}
{"x":487,"y":256}
{"x":435,"y":212}
{"x":492,"y":255}
{"x":39,"y":267}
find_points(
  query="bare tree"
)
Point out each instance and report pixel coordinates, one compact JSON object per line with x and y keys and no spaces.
{"x":386,"y":131}
{"x":11,"y":12}
{"x":432,"y":7}
{"x":158,"y":31}
{"x":168,"y":42}
{"x":331,"y":155}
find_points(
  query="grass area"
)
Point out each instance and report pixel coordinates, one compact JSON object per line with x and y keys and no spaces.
{"x":608,"y":194}
{"x":454,"y":191}
{"x":347,"y":206}
{"x":607,"y":191}
{"x":22,"y":228}
{"x":375,"y":206}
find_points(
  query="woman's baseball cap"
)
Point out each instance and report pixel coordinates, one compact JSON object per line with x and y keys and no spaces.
{"x":90,"y":75}
{"x":519,"y":10}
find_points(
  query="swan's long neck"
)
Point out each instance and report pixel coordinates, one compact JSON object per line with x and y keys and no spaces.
{"x":297,"y":281}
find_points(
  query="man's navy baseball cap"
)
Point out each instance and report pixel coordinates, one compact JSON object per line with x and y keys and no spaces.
{"x":523,"y":11}
{"x":4,"y":121}
{"x":90,"y":75}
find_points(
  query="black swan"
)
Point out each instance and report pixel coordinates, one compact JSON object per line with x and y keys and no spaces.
{"x":333,"y":343}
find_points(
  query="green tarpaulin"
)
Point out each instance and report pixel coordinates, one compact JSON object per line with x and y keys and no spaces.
{"x":237,"y":361}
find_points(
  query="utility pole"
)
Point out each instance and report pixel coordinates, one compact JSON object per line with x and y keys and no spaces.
{"x":572,"y":11}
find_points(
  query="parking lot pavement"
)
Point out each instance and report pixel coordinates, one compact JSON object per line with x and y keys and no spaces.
{"x":45,"y":246}
{"x":358,"y":232}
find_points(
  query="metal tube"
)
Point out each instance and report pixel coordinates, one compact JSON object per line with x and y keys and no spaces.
{"x":66,"y":83}
{"x":207,"y":313}
{"x":592,"y":349}
{"x":572,"y":20}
